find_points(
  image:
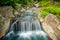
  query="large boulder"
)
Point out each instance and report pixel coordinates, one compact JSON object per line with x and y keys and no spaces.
{"x":4,"y":27}
{"x":5,"y":13}
{"x":52,"y":26}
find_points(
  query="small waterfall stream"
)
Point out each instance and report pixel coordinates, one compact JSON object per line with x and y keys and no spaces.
{"x":26,"y":27}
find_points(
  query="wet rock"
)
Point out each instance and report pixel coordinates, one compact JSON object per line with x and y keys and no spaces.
{"x":52,"y":26}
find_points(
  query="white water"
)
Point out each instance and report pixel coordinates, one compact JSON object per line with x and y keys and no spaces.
{"x":27,"y":28}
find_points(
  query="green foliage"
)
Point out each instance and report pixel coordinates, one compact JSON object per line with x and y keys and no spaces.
{"x":8,"y":3}
{"x":57,"y":4}
{"x":51,"y":9}
{"x":48,"y":8}
{"x":43,"y":13}
{"x":14,"y":3}
{"x":44,"y":3}
{"x":57,"y":0}
{"x":1,"y":19}
{"x":43,"y":0}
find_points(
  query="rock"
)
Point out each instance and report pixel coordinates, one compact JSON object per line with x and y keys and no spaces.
{"x":52,"y":26}
{"x":4,"y":28}
{"x":6,"y":11}
{"x":58,"y":27}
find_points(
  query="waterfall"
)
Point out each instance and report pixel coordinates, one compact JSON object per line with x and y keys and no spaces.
{"x":26,"y":27}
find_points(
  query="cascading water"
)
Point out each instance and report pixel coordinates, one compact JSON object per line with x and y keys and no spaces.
{"x":26,"y":27}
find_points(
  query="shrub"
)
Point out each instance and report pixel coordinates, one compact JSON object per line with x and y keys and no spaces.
{"x":44,"y":3}
{"x":57,"y":4}
{"x":51,"y":9}
{"x":43,"y":13}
